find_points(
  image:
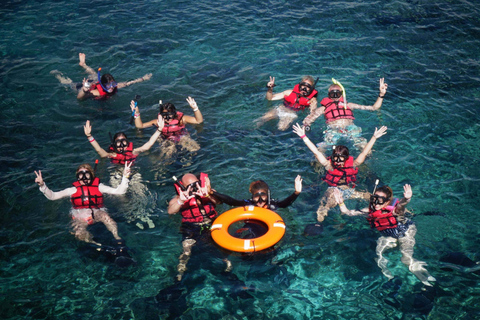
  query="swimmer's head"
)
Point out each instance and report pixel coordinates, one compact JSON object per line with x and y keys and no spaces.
{"x":168,"y":111}
{"x":260,"y":193}
{"x":339,"y":155}
{"x":107,"y":81}
{"x":381,"y":198}
{"x":335,"y":91}
{"x":306,"y":86}
{"x":120,"y":142}
{"x":191,"y":180}
{"x":85,"y":174}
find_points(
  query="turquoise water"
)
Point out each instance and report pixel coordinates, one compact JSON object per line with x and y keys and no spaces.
{"x":222,"y":53}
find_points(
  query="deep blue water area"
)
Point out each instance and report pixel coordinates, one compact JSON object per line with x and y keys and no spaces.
{"x":222,"y":53}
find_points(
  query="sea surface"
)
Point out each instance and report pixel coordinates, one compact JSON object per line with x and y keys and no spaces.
{"x":222,"y":54}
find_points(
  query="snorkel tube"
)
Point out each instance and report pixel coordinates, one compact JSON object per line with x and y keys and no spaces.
{"x":343,"y":93}
{"x":370,"y":205}
{"x":99,"y":80}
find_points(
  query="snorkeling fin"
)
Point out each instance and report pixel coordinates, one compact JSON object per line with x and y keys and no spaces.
{"x":313,"y":229}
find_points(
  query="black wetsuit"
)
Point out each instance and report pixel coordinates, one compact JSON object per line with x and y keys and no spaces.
{"x":274,"y":204}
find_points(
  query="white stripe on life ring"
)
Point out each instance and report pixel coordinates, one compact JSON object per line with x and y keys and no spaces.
{"x":278,"y":224}
{"x":216,"y":226}
{"x":250,"y":208}
{"x":246,"y":244}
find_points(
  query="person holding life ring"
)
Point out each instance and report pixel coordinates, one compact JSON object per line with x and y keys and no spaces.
{"x":341,"y":169}
{"x":86,"y":196}
{"x":339,"y":116}
{"x":302,"y":96}
{"x":388,"y":216}
{"x":174,"y":131}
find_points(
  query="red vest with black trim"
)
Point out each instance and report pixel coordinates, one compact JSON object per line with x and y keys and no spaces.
{"x":296,"y":101}
{"x":174,"y":128}
{"x":87,"y":196}
{"x":383,"y":219}
{"x":103,"y":94}
{"x":345,"y":175}
{"x":126,"y":156}
{"x":333,"y":110}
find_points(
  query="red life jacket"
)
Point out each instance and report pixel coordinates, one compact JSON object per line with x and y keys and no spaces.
{"x":191,"y":210}
{"x":383,"y":219}
{"x":87,"y":196}
{"x":173,"y":129}
{"x":333,"y":111}
{"x":103,"y":94}
{"x":346,"y":173}
{"x":121,"y":158}
{"x":296,"y":101}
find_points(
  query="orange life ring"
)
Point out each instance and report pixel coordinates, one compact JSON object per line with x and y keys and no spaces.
{"x":276,"y":229}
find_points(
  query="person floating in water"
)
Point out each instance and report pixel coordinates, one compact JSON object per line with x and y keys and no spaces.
{"x":388,"y":217}
{"x":302,"y":96}
{"x":120,"y":151}
{"x":197,"y":208}
{"x":105,"y":87}
{"x":339,"y":116}
{"x":175,"y":130}
{"x":86,"y":196}
{"x":341,"y":170}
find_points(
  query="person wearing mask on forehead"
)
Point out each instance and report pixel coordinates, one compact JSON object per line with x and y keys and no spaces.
{"x":341,"y":170}
{"x":197,"y":208}
{"x":339,"y":116}
{"x":387,"y":215}
{"x":302,"y":96}
{"x":174,"y":130}
{"x":121,"y":149}
{"x":86,"y":196}
{"x":105,"y":87}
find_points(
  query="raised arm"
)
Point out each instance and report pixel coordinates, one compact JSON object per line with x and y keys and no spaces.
{"x":49,"y":194}
{"x":177,"y":202}
{"x":378,"y":103}
{"x":198,"y":115}
{"x":138,"y":120}
{"x":153,"y":138}
{"x":300,"y":131}
{"x":361,"y":157}
{"x":146,"y":77}
{"x":275,"y":96}
{"x":407,"y":195}
{"x":122,"y":187}
{"x":87,"y":128}
{"x":290,"y":199}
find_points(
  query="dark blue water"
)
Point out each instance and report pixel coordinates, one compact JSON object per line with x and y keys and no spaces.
{"x":222,"y":54}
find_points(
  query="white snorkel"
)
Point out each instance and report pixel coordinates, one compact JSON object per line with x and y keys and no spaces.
{"x":343,"y":92}
{"x":375,"y":188}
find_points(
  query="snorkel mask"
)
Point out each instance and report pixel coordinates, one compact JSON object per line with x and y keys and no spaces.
{"x":120,"y":143}
{"x":85,"y":176}
{"x":341,"y":93}
{"x":264,"y":197}
{"x":109,"y":85}
{"x":306,"y":88}
{"x":166,"y":115}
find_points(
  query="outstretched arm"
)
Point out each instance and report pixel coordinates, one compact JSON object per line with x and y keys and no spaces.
{"x":314,"y":114}
{"x":122,"y":187}
{"x":361,"y":157}
{"x":196,"y":111}
{"x":138,"y":121}
{"x":88,"y":132}
{"x":90,"y":71}
{"x":146,"y":77}
{"x":275,"y":96}
{"x":153,"y":138}
{"x":407,"y":195}
{"x":378,"y":104}
{"x":49,"y":194}
{"x":300,"y":131}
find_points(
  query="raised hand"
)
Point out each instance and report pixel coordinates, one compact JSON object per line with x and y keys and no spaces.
{"x":39,"y":179}
{"x":299,"y":130}
{"x":298,"y":184}
{"x":383,"y":86}
{"x":192,"y":103}
{"x":380,"y":132}
{"x":127,"y":170}
{"x":160,"y":122}
{"x":87,"y":128}
{"x":271,"y":83}
{"x":407,"y":191}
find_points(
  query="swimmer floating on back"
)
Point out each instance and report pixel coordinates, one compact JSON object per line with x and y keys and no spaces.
{"x":174,"y":130}
{"x":105,"y":87}
{"x":341,"y":170}
{"x":86,"y":196}
{"x":389,"y":219}
{"x":339,"y":117}
{"x":302,"y":96}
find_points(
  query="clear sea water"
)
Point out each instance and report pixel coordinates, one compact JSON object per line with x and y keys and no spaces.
{"x":222,"y":54}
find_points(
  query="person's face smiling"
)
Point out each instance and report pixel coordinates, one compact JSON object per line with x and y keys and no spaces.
{"x":260,"y":197}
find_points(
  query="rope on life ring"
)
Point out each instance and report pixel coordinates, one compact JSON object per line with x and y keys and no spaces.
{"x":275,"y":224}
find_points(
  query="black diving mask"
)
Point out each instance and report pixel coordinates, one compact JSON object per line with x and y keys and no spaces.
{"x":84,"y":176}
{"x":338,"y":158}
{"x":334,"y":94}
{"x":375,"y":199}
{"x":121,"y":143}
{"x":261,"y":196}
{"x":194,"y":187}
{"x":168,"y":115}
{"x":305,"y":87}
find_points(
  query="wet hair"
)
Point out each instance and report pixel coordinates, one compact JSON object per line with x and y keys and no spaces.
{"x":168,"y":107}
{"x":386,"y":190}
{"x":89,"y":169}
{"x":118,"y":134}
{"x":258,"y":185}
{"x":106,"y":78}
{"x":341,"y":150}
{"x":335,"y":86}
{"x":308,"y":78}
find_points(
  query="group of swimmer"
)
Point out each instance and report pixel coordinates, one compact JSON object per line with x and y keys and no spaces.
{"x":196,"y":200}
